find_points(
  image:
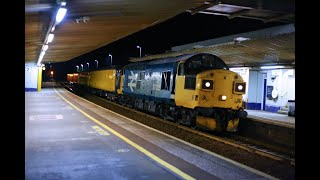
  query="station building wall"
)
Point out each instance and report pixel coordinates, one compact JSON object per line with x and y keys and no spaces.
{"x":282,"y":83}
{"x":255,"y":90}
{"x":267,"y":90}
{"x":31,"y":77}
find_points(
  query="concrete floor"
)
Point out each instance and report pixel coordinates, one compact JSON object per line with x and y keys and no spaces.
{"x":63,"y":143}
{"x":272,"y":118}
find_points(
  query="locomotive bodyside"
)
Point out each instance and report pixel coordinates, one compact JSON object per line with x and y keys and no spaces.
{"x":152,"y":82}
{"x":150,"y":85}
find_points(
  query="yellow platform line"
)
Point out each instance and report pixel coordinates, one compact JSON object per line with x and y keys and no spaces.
{"x":141,"y":149}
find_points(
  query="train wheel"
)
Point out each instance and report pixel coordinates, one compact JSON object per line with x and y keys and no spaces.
{"x":194,"y":124}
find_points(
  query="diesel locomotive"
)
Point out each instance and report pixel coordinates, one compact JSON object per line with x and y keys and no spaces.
{"x":197,"y":90}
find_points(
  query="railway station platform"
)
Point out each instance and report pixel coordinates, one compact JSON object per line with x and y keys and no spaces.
{"x":68,"y":137}
{"x":272,"y":118}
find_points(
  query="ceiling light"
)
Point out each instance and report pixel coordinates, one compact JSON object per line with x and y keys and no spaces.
{"x":60,"y":15}
{"x":45,"y":47}
{"x":271,"y":67}
{"x":40,"y":58}
{"x":50,"y":38}
{"x":42,"y":53}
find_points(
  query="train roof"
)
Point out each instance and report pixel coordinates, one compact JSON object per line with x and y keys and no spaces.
{"x":164,"y":60}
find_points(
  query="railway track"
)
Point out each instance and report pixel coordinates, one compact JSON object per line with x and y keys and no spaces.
{"x":232,"y":140}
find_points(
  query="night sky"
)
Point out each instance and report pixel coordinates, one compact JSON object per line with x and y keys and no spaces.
{"x":182,"y":29}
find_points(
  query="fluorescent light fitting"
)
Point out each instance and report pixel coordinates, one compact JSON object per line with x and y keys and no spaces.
{"x":60,"y":15}
{"x":50,"y":38}
{"x":63,"y":3}
{"x":40,"y":58}
{"x":42,"y":53}
{"x":271,"y":67}
{"x":45,"y":47}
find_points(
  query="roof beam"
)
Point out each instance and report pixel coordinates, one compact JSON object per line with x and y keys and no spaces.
{"x":214,"y":13}
{"x":205,"y":6}
{"x":239,"y":13}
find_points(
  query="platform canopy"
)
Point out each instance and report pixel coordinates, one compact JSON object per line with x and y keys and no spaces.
{"x":275,"y":50}
{"x":91,"y":24}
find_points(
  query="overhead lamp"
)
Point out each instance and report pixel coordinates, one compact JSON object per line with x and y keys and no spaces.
{"x":50,"y":38}
{"x":60,"y":15}
{"x":53,"y":28}
{"x":139,"y":50}
{"x":97,"y":62}
{"x":271,"y":67}
{"x":110,"y":59}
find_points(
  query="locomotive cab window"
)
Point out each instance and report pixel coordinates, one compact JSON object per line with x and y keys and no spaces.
{"x":190,"y":82}
{"x":203,"y":62}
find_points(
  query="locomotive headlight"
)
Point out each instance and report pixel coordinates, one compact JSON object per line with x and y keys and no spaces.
{"x":222,"y":97}
{"x":207,"y":84}
{"x":239,"y":87}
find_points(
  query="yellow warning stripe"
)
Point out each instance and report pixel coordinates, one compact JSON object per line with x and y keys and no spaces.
{"x":100,"y":131}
